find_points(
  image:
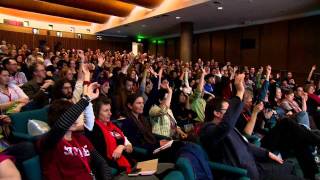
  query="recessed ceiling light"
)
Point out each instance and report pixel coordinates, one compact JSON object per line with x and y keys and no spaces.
{"x":178,"y":17}
{"x":219,"y":7}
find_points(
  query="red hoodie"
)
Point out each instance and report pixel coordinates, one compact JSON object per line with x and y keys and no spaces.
{"x":68,"y":160}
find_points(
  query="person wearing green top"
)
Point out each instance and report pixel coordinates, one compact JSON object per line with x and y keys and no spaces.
{"x":198,"y":104}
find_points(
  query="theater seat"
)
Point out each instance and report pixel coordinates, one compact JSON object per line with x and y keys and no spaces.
{"x":228,"y":169}
{"x":174,"y":175}
{"x":20,"y":121}
{"x":185,"y":167}
{"x":254,"y":139}
{"x":32,"y":169}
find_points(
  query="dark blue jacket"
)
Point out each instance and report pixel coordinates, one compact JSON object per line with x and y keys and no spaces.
{"x":225,"y":144}
{"x":198,"y":160}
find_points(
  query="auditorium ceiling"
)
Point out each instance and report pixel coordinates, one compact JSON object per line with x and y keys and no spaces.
{"x":98,"y":14}
{"x":158,"y":18}
{"x":96,"y":11}
{"x":218,"y":14}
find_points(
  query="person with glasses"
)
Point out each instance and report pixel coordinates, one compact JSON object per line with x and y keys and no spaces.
{"x":38,"y":88}
{"x":224,"y":143}
{"x":16,"y":77}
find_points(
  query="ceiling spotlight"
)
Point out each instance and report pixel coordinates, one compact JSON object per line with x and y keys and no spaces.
{"x":219,"y":7}
{"x":178,"y":17}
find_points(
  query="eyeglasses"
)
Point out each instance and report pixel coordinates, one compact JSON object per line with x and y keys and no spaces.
{"x":223,"y":110}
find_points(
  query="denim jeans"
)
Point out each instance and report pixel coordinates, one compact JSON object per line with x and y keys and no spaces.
{"x":303,"y":119}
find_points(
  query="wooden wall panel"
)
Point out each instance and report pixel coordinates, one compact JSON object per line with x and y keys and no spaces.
{"x":32,"y":41}
{"x":161,"y":50}
{"x":195,"y":48}
{"x":304,"y":44}
{"x":232,"y":51}
{"x":274,"y":44}
{"x":251,"y":56}
{"x":218,"y":45}
{"x":204,"y":46}
{"x":177,"y":48}
{"x":286,"y":45}
{"x":171,"y":51}
{"x":152,"y":48}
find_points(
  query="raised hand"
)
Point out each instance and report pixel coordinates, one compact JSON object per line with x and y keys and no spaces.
{"x":81,"y":55}
{"x":152,"y":71}
{"x":268,"y":70}
{"x":235,"y":69}
{"x":93,"y":91}
{"x":239,"y":84}
{"x":258,"y":108}
{"x":101,"y":60}
{"x":204,"y":72}
{"x":160,"y":71}
{"x":85,"y":70}
{"x":314,"y":67}
{"x":165,"y":85}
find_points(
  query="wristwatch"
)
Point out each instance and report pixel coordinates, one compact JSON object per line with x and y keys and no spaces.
{"x":86,"y":97}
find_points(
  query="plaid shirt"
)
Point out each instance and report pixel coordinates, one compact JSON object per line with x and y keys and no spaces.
{"x":162,"y":121}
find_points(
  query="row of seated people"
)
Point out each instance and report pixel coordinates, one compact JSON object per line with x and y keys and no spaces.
{"x":238,"y":116}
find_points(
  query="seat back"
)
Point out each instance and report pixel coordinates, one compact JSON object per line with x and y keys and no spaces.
{"x":185,"y":167}
{"x":176,"y":175}
{"x":20,"y":120}
{"x":32,"y":168}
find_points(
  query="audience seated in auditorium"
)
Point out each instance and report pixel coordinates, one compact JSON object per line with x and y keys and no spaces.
{"x":153,"y":99}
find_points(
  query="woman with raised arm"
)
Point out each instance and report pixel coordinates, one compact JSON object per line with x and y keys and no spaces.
{"x":311,"y":73}
{"x":66,"y":153}
{"x":162,"y":120}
